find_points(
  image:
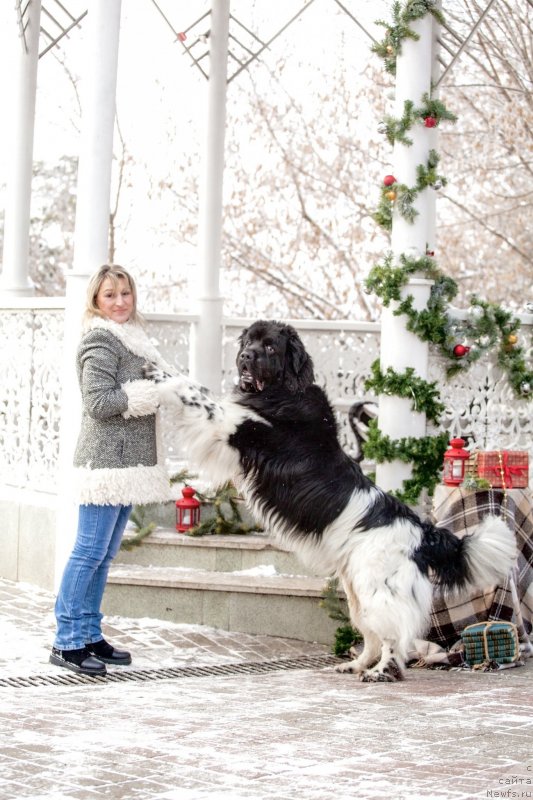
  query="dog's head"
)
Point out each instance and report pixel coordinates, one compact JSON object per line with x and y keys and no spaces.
{"x":272,"y":354}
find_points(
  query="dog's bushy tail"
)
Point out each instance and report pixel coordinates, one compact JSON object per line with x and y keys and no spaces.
{"x":478,"y":560}
{"x":489,"y":552}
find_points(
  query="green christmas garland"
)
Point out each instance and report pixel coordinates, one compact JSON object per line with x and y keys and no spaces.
{"x":387,"y":280}
{"x":424,"y":396}
{"x":487,"y":324}
{"x":424,"y":453}
{"x":391,"y":45}
{"x":431,"y":113}
{"x":402,"y":197}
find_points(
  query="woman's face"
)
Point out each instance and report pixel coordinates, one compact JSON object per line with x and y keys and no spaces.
{"x":115,"y":302}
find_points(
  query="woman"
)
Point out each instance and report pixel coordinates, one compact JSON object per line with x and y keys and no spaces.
{"x":117,"y":463}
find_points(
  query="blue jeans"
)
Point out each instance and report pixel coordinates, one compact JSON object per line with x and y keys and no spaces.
{"x":77,"y":607}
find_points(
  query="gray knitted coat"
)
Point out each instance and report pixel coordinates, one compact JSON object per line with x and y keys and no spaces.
{"x":118,"y":458}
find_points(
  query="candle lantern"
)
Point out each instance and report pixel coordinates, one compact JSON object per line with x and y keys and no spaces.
{"x":187,"y":510}
{"x":455,"y":459}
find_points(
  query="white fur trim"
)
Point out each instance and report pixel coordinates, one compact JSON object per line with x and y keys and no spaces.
{"x":135,"y":485}
{"x":134,"y":338}
{"x":143,"y":398}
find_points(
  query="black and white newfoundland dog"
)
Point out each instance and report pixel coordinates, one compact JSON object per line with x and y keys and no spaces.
{"x":276,"y":438}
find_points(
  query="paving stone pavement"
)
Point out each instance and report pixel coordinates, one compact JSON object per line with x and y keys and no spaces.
{"x":306,"y":733}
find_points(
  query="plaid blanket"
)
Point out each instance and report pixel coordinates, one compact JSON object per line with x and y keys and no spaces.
{"x":461,"y":511}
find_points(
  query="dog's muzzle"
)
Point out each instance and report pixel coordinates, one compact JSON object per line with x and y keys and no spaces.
{"x":248,"y":383}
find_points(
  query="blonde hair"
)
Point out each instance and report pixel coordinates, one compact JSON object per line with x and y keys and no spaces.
{"x":115,"y":274}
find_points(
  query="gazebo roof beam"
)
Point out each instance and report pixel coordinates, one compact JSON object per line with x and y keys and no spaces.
{"x":445,"y":45}
{"x":267,"y":44}
{"x":50,"y":16}
{"x":20,"y":21}
{"x":466,"y":42}
{"x":46,"y":34}
{"x":64,"y":32}
{"x":65,"y":10}
{"x":187,"y":49}
{"x":349,"y":14}
{"x":243,"y":46}
{"x":248,"y":31}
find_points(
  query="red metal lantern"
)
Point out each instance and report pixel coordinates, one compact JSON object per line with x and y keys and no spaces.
{"x":455,"y":459}
{"x":187,"y":510}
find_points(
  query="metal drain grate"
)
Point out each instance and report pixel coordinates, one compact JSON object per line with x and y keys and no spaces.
{"x":126,"y":676}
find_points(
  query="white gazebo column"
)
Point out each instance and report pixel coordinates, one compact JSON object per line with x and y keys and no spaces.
{"x":15,"y":280}
{"x":91,"y":233}
{"x":400,"y":348}
{"x":206,"y":347}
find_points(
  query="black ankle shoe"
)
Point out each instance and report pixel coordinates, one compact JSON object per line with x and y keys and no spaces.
{"x":80,"y":661}
{"x":108,"y":654}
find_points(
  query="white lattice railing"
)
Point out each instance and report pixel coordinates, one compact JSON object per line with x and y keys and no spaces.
{"x":479,"y":404}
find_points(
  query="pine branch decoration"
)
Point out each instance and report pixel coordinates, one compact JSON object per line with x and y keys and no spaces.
{"x":424,"y":453}
{"x":223,"y":522}
{"x":435,"y":108}
{"x":396,"y":129}
{"x":424,"y":395}
{"x":391,"y":45}
{"x":142,"y":527}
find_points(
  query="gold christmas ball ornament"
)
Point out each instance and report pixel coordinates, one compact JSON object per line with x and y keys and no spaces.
{"x":512,"y":339}
{"x":390,"y":195}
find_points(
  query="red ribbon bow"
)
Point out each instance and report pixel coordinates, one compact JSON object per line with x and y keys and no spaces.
{"x":506,"y":470}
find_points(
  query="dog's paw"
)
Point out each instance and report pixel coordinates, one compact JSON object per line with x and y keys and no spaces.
{"x":376,"y":676}
{"x":154,"y":373}
{"x":349,"y":666}
{"x":390,"y":673}
{"x":171,"y":391}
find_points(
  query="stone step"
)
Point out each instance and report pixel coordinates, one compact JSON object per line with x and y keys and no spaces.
{"x":255,"y":603}
{"x":225,"y":553}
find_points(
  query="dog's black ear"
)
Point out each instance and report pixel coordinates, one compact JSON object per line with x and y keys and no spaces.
{"x":240,"y":341}
{"x":299,"y":372}
{"x":242,"y":337}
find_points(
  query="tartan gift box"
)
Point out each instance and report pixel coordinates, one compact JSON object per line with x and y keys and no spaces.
{"x":503,"y":469}
{"x":491,"y":641}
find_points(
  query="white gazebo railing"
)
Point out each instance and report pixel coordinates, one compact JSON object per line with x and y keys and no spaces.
{"x":479,"y":403}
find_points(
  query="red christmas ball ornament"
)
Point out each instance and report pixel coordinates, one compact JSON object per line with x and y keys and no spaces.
{"x":430,"y":122}
{"x":461,"y":350}
{"x":430,"y":253}
{"x":182,"y":36}
{"x":388,"y":180}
